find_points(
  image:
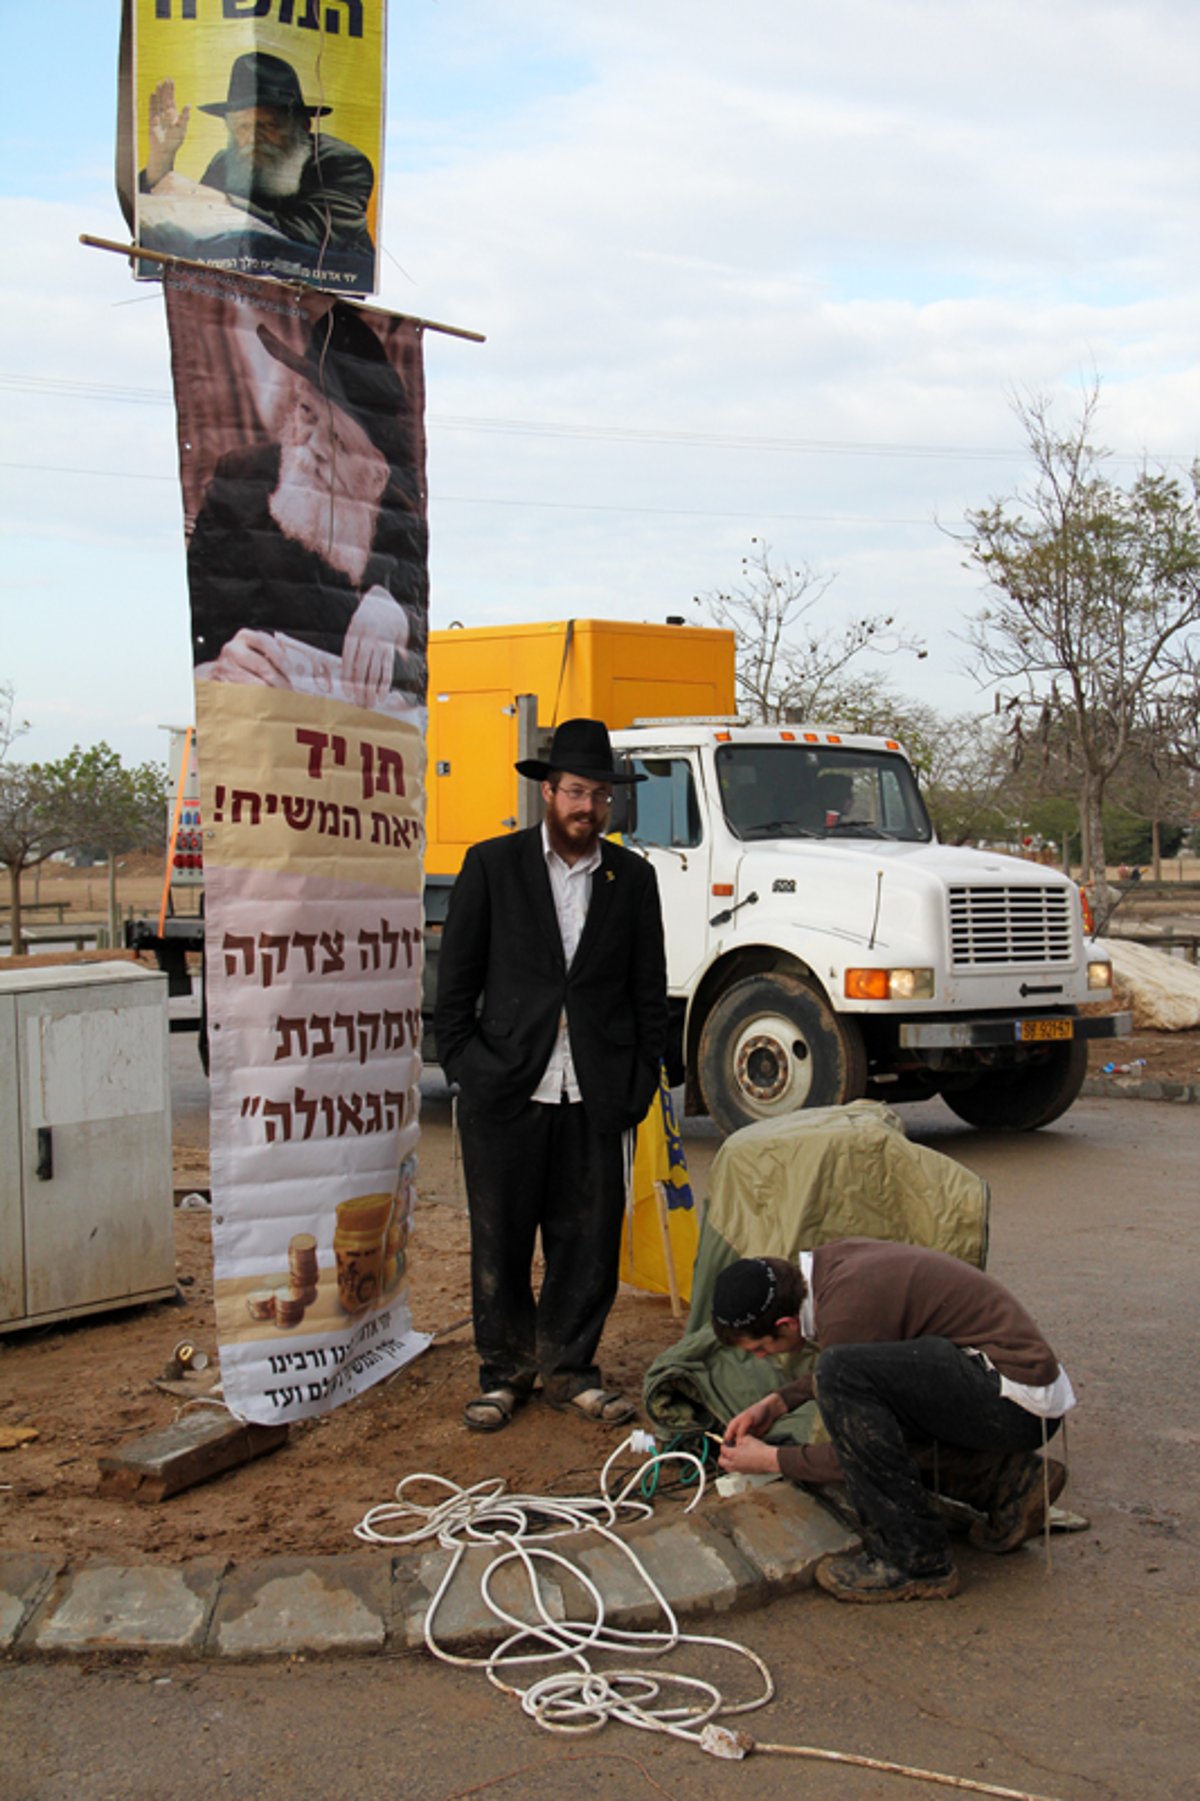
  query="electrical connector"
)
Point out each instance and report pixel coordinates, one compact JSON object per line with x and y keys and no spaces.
{"x":641,"y":1443}
{"x":721,"y":1741}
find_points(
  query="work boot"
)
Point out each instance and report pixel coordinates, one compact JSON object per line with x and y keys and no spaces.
{"x":870,"y":1579}
{"x":1017,"y":1508}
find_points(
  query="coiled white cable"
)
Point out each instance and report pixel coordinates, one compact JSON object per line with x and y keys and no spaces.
{"x":578,"y":1700}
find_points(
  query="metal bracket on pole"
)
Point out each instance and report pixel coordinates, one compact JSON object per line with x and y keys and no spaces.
{"x":532,"y":741}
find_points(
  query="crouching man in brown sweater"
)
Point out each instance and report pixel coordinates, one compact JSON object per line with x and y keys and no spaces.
{"x":926,"y":1365}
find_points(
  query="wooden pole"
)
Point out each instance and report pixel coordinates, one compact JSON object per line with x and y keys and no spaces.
{"x":660,"y":1201}
{"x":174,"y":838}
{"x":135,"y":253}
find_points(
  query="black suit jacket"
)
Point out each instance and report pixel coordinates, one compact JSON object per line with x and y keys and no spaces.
{"x":503,"y":982}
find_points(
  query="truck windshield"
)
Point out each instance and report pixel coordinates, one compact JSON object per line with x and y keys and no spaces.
{"x":819,"y":791}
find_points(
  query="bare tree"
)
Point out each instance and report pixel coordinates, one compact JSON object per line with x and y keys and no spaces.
{"x":1095,"y":590}
{"x":788,"y":665}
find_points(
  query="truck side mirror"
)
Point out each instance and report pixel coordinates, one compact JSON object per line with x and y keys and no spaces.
{"x":623,"y":816}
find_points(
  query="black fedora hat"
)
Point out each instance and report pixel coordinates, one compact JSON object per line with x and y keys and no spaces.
{"x":578,"y":747}
{"x":260,"y":79}
{"x":346,"y":363}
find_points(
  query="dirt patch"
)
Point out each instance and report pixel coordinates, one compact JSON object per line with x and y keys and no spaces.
{"x":88,"y":1386}
{"x":1149,"y":1056}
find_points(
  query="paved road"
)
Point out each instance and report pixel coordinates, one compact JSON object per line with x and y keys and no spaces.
{"x":1079,"y":1684}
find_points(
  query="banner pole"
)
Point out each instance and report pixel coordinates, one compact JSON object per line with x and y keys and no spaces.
{"x":136,"y":254}
{"x":660,"y":1202}
{"x":182,"y":789}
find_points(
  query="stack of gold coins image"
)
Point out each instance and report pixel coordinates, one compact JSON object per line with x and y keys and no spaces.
{"x":302,"y":1267}
{"x":289,"y":1307}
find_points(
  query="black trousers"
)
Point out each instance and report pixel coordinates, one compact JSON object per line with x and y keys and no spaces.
{"x":547,"y":1171}
{"x":881,"y":1403}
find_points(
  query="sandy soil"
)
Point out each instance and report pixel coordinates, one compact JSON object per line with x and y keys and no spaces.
{"x":88,"y":1386}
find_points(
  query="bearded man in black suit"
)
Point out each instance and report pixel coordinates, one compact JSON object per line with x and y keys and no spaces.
{"x":551,"y":1016}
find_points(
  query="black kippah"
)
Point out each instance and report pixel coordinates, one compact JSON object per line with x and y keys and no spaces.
{"x":743,"y":1293}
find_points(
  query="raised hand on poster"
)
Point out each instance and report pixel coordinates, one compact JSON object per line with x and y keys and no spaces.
{"x":168,"y":129}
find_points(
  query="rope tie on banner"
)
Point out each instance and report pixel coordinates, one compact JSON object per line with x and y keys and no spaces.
{"x":579,"y":1700}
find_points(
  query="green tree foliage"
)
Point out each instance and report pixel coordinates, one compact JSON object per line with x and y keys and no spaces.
{"x":1094,"y":598}
{"x":86,"y":800}
{"x":35,"y":812}
{"x":115,"y":810}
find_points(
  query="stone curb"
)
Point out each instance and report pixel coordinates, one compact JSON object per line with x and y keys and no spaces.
{"x":1119,"y":1088}
{"x":726,"y":1555}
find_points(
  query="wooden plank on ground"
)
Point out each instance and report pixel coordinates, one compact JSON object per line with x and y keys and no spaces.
{"x":194,"y":1449}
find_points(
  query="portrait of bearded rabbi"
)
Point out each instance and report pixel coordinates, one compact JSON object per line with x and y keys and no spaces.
{"x":306,"y":186}
{"x":308,"y":563}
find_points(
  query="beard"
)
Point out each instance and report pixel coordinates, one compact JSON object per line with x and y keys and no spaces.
{"x":334,"y":526}
{"x":271,"y":171}
{"x":573,"y":837}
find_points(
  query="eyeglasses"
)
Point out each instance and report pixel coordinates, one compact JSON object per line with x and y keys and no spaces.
{"x":575,"y":794}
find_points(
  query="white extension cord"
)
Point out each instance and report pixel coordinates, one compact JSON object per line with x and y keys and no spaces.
{"x":580,"y":1700}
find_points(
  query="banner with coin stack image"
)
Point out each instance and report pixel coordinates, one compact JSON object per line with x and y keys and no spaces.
{"x":301,"y":447}
{"x":250,"y":136}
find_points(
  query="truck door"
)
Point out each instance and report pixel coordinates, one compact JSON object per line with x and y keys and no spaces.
{"x":668,"y":828}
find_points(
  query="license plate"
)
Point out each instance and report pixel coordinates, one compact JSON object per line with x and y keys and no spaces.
{"x":1038,"y":1031}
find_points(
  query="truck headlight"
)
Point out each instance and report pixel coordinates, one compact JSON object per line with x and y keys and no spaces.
{"x":1100,"y":975}
{"x":889,"y":985}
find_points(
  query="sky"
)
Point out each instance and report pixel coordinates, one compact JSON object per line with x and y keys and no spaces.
{"x":770,"y":272}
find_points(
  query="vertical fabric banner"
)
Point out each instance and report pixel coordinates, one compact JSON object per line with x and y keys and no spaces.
{"x":301,"y":447}
{"x":661,"y":1234}
{"x":254,"y":135}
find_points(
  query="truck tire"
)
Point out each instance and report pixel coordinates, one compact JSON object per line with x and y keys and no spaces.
{"x":1027,"y":1094}
{"x":771,"y":1045}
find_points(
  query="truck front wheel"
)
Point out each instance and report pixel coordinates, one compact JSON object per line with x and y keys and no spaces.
{"x":1024,"y":1095}
{"x":773,"y":1044}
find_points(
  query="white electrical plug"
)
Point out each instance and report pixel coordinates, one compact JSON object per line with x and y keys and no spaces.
{"x":641,"y":1443}
{"x":720,"y":1741}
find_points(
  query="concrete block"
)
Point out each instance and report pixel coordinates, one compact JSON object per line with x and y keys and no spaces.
{"x":696,"y":1568}
{"x":144,"y":1607}
{"x":24,"y":1581}
{"x":464,"y":1620}
{"x":191,"y":1450}
{"x":288,"y":1605}
{"x":781,"y":1531}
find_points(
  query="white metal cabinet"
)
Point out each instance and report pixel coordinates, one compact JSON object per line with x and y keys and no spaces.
{"x":86,"y":1208}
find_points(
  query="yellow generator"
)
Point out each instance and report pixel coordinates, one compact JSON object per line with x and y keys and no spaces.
{"x":497,"y":692}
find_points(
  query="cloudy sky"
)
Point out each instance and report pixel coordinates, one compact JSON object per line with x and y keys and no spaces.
{"x":768,"y":271}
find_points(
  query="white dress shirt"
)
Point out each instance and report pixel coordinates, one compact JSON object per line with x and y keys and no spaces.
{"x":571,"y":886}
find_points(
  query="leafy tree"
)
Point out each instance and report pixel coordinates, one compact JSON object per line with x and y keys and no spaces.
{"x":115,"y":810}
{"x":1095,"y":597}
{"x":788,"y":666}
{"x":35,"y":814}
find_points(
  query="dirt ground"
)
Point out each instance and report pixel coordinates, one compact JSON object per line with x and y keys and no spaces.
{"x":86,"y":1387}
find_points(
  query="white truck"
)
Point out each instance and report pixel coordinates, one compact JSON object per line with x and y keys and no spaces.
{"x":822,"y":945}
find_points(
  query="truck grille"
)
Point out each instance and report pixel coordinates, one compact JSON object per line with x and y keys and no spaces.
{"x":998,"y":926}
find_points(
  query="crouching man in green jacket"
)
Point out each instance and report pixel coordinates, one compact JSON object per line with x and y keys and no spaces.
{"x":925,"y":1364}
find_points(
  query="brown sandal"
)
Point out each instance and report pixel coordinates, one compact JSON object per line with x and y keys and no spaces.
{"x":492,"y":1411}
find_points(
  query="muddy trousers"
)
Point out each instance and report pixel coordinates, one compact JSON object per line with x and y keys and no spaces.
{"x":883,"y":1405}
{"x":547,"y":1172}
